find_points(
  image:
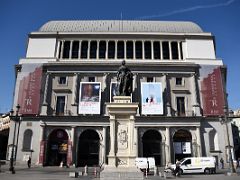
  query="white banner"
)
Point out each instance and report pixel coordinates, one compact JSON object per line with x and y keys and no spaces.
{"x":186,"y":147}
{"x":151,"y":94}
{"x":89,"y":98}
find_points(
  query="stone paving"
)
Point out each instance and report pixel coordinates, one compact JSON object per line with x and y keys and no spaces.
{"x":56,"y":173}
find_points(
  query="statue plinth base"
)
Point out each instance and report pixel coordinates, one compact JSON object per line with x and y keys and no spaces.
{"x":123,"y":140}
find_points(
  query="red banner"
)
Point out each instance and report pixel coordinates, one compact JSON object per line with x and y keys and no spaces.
{"x":213,"y":94}
{"x":69,"y":153}
{"x":29,"y":92}
{"x":42,"y":151}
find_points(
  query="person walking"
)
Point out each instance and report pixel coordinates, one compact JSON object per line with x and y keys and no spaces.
{"x":222,"y":163}
{"x":29,"y":162}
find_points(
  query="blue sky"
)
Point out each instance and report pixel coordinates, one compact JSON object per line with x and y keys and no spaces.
{"x":19,"y":18}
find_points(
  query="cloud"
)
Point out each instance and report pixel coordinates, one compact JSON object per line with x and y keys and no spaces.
{"x":179,"y":11}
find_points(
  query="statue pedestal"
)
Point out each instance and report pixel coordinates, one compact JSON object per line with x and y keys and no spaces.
{"x":123,"y":150}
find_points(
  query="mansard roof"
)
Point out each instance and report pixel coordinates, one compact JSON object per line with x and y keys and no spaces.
{"x":121,"y":26}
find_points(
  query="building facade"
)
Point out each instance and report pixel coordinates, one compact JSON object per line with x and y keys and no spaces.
{"x":69,"y":73}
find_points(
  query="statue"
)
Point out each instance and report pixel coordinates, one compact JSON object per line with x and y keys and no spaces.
{"x":124,"y":80}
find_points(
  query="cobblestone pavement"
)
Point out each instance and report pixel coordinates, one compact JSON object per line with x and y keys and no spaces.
{"x":56,"y":173}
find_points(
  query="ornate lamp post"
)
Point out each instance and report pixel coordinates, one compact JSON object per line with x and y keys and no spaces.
{"x":16,"y":119}
{"x":225,"y":120}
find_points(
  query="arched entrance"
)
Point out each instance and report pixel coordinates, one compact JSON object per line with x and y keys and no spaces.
{"x":152,"y":145}
{"x":57,"y":147}
{"x":182,"y":144}
{"x":88,"y":148}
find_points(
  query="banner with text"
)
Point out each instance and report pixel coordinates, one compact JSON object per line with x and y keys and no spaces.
{"x":212,"y":91}
{"x":89,"y":98}
{"x":151,"y":94}
{"x":27,"y":91}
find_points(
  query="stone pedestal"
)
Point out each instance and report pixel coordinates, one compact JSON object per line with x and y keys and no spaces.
{"x":121,"y":159}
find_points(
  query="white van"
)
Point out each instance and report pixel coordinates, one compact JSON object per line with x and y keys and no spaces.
{"x":205,"y":165}
{"x":144,"y":163}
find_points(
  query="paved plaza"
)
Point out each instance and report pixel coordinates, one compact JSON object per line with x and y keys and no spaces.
{"x":56,"y":173}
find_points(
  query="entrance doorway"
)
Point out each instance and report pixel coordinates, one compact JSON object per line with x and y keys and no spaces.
{"x":88,"y":148}
{"x":182,"y":144}
{"x":3,"y":143}
{"x":57,"y":148}
{"x":152,"y":145}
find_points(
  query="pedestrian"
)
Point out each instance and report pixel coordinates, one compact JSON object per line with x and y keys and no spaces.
{"x":29,"y":162}
{"x":222,"y":163}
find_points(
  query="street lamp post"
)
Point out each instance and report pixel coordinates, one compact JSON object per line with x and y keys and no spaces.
{"x":16,"y":118}
{"x":225,"y":120}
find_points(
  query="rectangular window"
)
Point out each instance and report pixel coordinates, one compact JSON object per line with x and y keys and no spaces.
{"x":149,"y":79}
{"x":156,"y":50}
{"x":129,"y":50}
{"x":180,"y":106}
{"x":138,"y":50}
{"x":75,"y":49}
{"x":93,"y":49}
{"x":174,"y":47}
{"x":179,"y":81}
{"x":62,"y":80}
{"x":84,"y":49}
{"x":165,"y":47}
{"x":111,"y":50}
{"x":60,"y":106}
{"x":147,"y":50}
{"x":66,"y":49}
{"x":120,"y":49}
{"x":91,"y":79}
{"x":102,"y":50}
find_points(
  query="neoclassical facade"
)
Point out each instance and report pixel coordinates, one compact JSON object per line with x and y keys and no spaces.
{"x":65,"y":60}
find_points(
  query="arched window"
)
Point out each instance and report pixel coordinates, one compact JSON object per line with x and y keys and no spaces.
{"x":213,"y":140}
{"x":27,"y":140}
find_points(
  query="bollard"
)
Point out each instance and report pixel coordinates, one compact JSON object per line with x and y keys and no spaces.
{"x":95,"y":172}
{"x":146,"y":173}
{"x":85,"y":171}
{"x":61,"y":164}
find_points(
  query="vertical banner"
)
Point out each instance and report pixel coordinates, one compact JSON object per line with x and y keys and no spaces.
{"x":42,"y":151}
{"x":89,"y":98}
{"x":28,"y":86}
{"x":151,"y":94}
{"x":69,"y":153}
{"x":113,"y":91}
{"x":212,"y":91}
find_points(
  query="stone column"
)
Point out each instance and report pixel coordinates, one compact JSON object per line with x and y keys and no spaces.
{"x":61,"y":55}
{"x":179,"y":51}
{"x":199,"y":145}
{"x":196,"y":107}
{"x":70,"y":50}
{"x":112,"y":136}
{"x":136,"y":140}
{"x":74,"y":94}
{"x":104,"y":144}
{"x":45,"y":104}
{"x":79,"y":51}
{"x":134,"y":49}
{"x":152,"y":50}
{"x":168,"y":145}
{"x":73,"y":145}
{"x":143,"y":50}
{"x":170,"y":50}
{"x":161,"y":50}
{"x":168,"y":94}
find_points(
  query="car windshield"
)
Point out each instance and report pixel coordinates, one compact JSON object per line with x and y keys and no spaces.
{"x":182,"y":160}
